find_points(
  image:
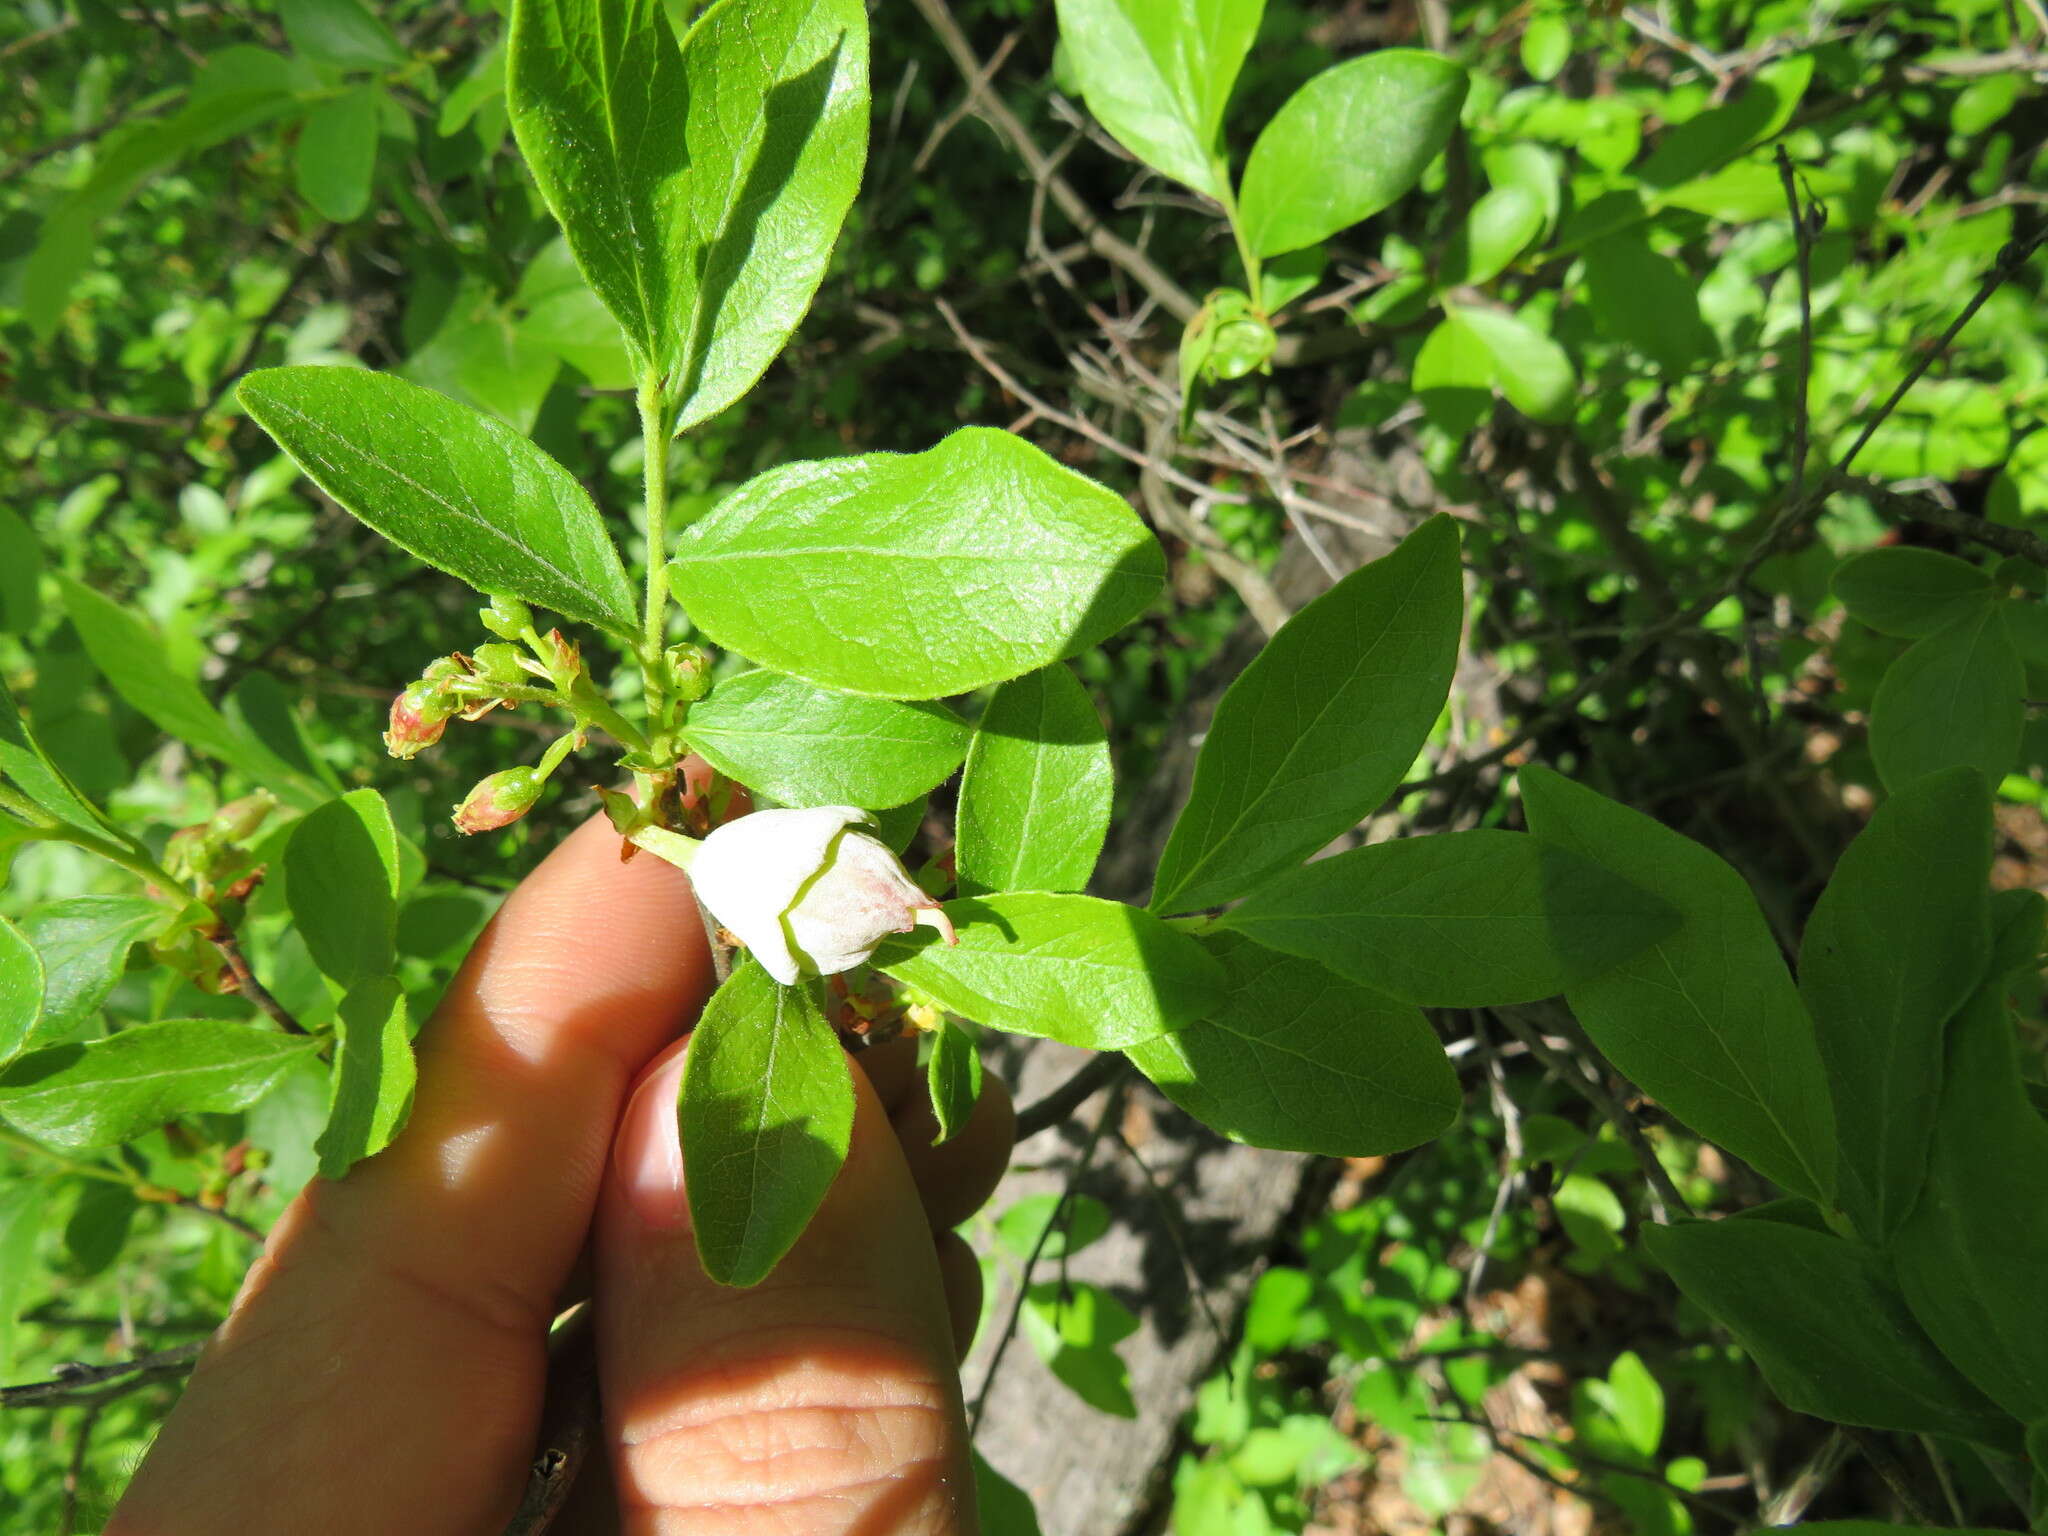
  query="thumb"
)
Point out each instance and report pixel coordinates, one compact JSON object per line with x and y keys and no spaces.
{"x":823,"y":1400}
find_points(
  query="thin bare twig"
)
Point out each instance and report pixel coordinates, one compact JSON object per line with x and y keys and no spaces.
{"x":1925,"y":509}
{"x":1802,"y":239}
{"x":248,"y":986}
{"x":85,"y":1384}
{"x":1043,"y":1114}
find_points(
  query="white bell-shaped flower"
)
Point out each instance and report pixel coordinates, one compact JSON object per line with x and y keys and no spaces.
{"x":809,"y":892}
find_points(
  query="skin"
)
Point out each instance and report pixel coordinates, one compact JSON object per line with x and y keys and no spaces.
{"x":382,"y":1369}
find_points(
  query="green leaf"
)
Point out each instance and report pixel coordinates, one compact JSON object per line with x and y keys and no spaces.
{"x":22,"y":1204}
{"x":481,"y":357}
{"x":1071,"y":968}
{"x":131,"y":656}
{"x":1896,"y":944}
{"x":1320,"y":728}
{"x":809,"y":746}
{"x":701,"y":186}
{"x":953,"y":1077}
{"x":1636,"y":1403}
{"x":77,"y":1097}
{"x":260,"y":706}
{"x":1075,"y":1223}
{"x":21,"y":989}
{"x":766,"y":1112}
{"x":21,"y":573}
{"x":98,"y":1226}
{"x":339,"y":33}
{"x":484,"y":82}
{"x":1957,"y":697}
{"x":1157,"y":74}
{"x":1527,"y":366}
{"x":1286,"y":278}
{"x":1453,"y":374}
{"x":914,"y":576}
{"x":1546,"y":45}
{"x":2018,"y":919}
{"x":1971,"y":1255}
{"x":1911,"y":592}
{"x":341,"y":882}
{"x":1716,"y":136}
{"x":1824,"y":1324}
{"x":563,"y":315}
{"x":374,"y":1076}
{"x":1035,"y":795}
{"x":84,"y":943}
{"x":461,"y":491}
{"x":1294,"y":1057}
{"x":1345,"y":145}
{"x":1075,"y":1328}
{"x":1458,"y":920}
{"x":1494,"y":233}
{"x":30,"y":770}
{"x":1941,"y":430}
{"x":1706,"y":1021}
{"x":1004,"y":1507}
{"x":1645,"y":300}
{"x":337,"y":153}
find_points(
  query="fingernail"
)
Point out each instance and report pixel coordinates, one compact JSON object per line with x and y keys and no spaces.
{"x":648,"y":1154}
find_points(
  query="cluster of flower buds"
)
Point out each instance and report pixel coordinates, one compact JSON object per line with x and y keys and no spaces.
{"x":423,"y":710}
{"x":208,"y":858}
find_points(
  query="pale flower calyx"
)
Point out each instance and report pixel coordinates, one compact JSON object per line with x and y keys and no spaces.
{"x":810,"y":892}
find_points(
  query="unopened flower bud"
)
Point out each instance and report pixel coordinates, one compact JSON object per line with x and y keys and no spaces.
{"x":507,"y":618}
{"x":690,"y":666}
{"x":242,"y":818}
{"x":809,"y":891}
{"x":500,"y":666}
{"x":418,"y":716}
{"x":499,"y":800}
{"x":562,"y":657}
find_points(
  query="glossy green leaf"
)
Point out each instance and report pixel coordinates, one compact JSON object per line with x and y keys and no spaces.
{"x":1896,"y":943}
{"x":1323,"y":724}
{"x":804,"y":745}
{"x":84,"y":943}
{"x":1286,"y":278}
{"x":1157,"y":74}
{"x":374,"y":1076}
{"x":21,"y":572}
{"x":1530,"y":369}
{"x":1646,"y":300}
{"x":1496,"y":231}
{"x":1706,"y":1021}
{"x":1374,"y":123}
{"x":1824,"y":1324}
{"x":953,"y":1078}
{"x":1957,"y":697}
{"x":1971,"y":1255}
{"x":1911,"y":592}
{"x":1297,"y":1058}
{"x":915,"y":576}
{"x":449,"y":484}
{"x":341,"y":881}
{"x":1071,"y":968}
{"x":130,"y":655}
{"x":76,"y":1097}
{"x":337,"y":154}
{"x":766,"y":1112}
{"x":340,"y":33}
{"x":29,"y":769}
{"x":21,"y":989}
{"x":1035,"y":795}
{"x":1459,"y":920}
{"x":701,"y":185}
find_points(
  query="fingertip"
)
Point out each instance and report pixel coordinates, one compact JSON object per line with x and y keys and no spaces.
{"x":955,"y":1177}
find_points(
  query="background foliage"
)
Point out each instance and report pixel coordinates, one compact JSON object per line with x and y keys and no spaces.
{"x":1605,"y":335}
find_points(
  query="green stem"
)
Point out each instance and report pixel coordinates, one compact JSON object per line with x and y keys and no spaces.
{"x":20,"y":805}
{"x":83,"y":1170}
{"x":654,"y":442}
{"x":1245,"y":254}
